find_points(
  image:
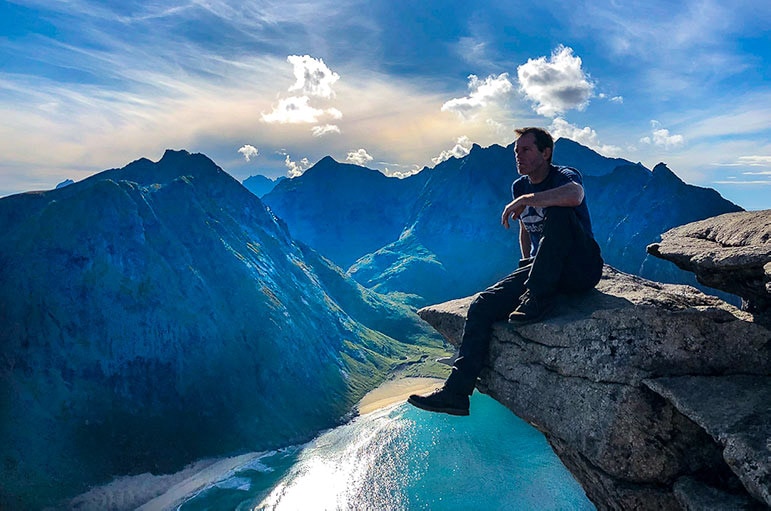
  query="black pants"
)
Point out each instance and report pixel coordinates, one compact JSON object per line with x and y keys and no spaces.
{"x":568,"y":260}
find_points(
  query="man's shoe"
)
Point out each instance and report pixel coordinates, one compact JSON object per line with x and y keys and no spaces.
{"x":442,"y":400}
{"x":450,"y":361}
{"x":530,"y":309}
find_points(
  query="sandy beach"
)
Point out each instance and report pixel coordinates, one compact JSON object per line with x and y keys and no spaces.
{"x":396,"y":391}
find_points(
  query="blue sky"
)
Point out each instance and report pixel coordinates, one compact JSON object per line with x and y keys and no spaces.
{"x":271,"y":87}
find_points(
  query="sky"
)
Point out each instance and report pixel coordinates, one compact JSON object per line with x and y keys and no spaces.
{"x":271,"y":87}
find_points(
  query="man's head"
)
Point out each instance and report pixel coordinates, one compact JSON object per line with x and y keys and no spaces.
{"x":533,"y":149}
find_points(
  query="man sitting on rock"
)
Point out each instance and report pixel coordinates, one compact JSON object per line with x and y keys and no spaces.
{"x":555,"y":231}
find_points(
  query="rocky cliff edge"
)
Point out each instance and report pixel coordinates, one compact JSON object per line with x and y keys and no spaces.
{"x":655,"y":396}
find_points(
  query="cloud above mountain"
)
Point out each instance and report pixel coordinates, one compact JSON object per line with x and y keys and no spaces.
{"x":313,"y":79}
{"x":320,"y":78}
{"x":359,"y":157}
{"x":461,"y":148}
{"x":482,"y":93}
{"x":249,"y":152}
{"x":662,"y":137}
{"x":555,"y":84}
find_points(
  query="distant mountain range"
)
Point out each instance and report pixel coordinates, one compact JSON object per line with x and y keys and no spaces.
{"x":159,"y":313}
{"x":260,"y":185}
{"x":436,"y":235}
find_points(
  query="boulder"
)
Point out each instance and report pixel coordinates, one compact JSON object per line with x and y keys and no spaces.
{"x":730,"y":252}
{"x":592,"y":376}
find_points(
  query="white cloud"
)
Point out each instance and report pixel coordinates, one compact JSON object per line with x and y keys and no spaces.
{"x":662,"y":138}
{"x":755,"y":161}
{"x":584,"y":136}
{"x":249,"y":152}
{"x":313,"y":77}
{"x":557,"y":84}
{"x":326,"y":129}
{"x":296,"y":110}
{"x":401,"y":174}
{"x":359,"y":157}
{"x":613,"y":99}
{"x":462,"y":148}
{"x":296,"y":169}
{"x":483,"y":92}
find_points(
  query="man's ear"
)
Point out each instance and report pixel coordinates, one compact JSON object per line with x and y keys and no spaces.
{"x":547,"y":151}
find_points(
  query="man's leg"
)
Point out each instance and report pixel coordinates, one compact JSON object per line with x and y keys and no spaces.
{"x":492,"y":305}
{"x":568,"y":259}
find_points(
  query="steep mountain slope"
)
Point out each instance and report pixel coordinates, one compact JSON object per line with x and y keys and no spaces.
{"x":345,"y":211}
{"x":571,"y":153}
{"x":629,"y":222}
{"x":453,"y":242}
{"x":158,"y":313}
{"x":443,"y":238}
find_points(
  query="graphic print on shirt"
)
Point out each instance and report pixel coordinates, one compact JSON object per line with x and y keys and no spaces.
{"x":533,"y":217}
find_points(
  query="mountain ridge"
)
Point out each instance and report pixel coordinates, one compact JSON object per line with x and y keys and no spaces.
{"x":158,"y":314}
{"x":441,"y":239}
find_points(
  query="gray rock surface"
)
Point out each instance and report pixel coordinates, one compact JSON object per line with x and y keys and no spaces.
{"x":696,"y":496}
{"x":743,"y":428}
{"x":580,"y":377}
{"x":731,"y":252}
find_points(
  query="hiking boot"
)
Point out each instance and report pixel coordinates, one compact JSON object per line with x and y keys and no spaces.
{"x":442,"y":400}
{"x":450,"y":361}
{"x":530,"y":309}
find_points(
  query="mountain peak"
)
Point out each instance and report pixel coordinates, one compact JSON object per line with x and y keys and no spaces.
{"x":589,"y":162}
{"x":174,"y":154}
{"x":661,"y":171}
{"x":327,"y":160}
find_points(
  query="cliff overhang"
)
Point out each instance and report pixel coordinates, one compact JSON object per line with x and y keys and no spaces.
{"x":655,"y":396}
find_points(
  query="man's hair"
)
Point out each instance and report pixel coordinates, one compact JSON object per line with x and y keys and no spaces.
{"x":542,"y":138}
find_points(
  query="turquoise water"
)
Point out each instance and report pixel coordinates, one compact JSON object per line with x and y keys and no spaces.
{"x":402,"y":458}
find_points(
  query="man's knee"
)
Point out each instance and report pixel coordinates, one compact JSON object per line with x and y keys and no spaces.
{"x":557,"y":216}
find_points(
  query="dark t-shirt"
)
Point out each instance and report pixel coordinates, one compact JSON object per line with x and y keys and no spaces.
{"x":533,"y":217}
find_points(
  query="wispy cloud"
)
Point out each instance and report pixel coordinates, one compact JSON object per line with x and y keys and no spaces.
{"x":326,"y":129}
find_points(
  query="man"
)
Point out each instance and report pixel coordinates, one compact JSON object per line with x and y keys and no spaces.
{"x":559,"y":255}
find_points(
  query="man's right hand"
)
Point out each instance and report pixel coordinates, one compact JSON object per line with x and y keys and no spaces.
{"x":511,"y":212}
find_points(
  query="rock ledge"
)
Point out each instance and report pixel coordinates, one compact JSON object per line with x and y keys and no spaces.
{"x":655,"y":396}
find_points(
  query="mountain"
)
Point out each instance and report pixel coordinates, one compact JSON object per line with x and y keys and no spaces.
{"x":345,"y":211}
{"x":437,"y":236}
{"x":159,"y":313}
{"x":628,"y":222}
{"x":260,"y":185}
{"x":571,"y":153}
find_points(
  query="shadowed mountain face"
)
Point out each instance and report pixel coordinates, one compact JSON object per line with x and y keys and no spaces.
{"x":260,"y":185}
{"x":158,"y":313}
{"x":438,"y":236}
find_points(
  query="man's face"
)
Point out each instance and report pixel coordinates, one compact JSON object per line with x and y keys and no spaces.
{"x":529,"y":159}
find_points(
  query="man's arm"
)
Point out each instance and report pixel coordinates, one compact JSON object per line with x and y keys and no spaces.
{"x":524,"y":240}
{"x":568,"y":195}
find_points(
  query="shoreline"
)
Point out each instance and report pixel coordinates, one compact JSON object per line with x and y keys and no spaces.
{"x":395,"y":391}
{"x":169,"y":491}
